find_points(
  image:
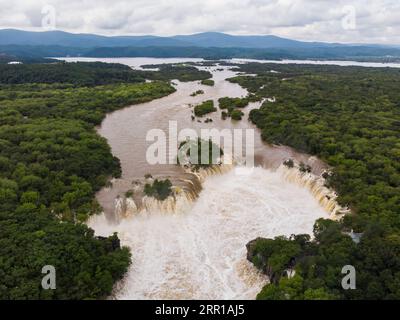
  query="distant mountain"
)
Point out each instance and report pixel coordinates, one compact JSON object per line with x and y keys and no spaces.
{"x":80,"y":40}
{"x":34,"y":46}
{"x":222,"y":40}
{"x":207,"y":39}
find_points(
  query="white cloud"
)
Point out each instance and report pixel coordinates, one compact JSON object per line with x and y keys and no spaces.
{"x":317,"y":20}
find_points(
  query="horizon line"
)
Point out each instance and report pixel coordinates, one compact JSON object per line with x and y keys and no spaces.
{"x":197,"y":33}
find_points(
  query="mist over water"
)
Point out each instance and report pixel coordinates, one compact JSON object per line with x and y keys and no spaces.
{"x":201,"y":254}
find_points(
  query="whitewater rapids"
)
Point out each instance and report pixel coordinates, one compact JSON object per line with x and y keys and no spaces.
{"x":201,"y":253}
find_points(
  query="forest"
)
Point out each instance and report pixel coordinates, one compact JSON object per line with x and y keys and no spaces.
{"x":96,"y":73}
{"x":51,"y":164}
{"x":350,"y":118}
{"x":79,"y":73}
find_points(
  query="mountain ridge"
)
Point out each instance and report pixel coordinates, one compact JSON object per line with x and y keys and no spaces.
{"x":35,"y":46}
{"x":205,"y":39}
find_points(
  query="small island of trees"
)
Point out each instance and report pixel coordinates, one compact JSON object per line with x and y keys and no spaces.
{"x":208,"y":82}
{"x":159,"y":189}
{"x":204,"y":108}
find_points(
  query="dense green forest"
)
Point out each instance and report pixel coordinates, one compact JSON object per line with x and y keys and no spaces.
{"x":51,"y":164}
{"x":350,"y":117}
{"x":7,"y":58}
{"x":79,"y":73}
{"x":95,"y":73}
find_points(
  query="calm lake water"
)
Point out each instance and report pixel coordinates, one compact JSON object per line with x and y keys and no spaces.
{"x":137,"y":62}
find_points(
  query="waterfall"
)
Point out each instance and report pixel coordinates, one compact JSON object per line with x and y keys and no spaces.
{"x":326,"y":197}
{"x":201,"y":253}
{"x":183,"y":197}
{"x":130,"y":207}
{"x":118,"y":208}
{"x":203,"y":173}
{"x":124,"y":207}
{"x":175,"y":204}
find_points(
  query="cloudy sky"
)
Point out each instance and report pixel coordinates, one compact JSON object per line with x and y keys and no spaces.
{"x":361,"y":21}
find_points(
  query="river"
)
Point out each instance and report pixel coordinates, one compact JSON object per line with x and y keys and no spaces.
{"x":198,"y":251}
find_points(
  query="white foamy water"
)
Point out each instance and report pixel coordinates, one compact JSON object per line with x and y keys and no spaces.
{"x":201,"y":253}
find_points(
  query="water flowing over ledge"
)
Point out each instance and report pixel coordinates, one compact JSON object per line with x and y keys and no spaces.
{"x":326,"y":197}
{"x":178,"y":203}
{"x":182,"y":199}
{"x":201,"y":253}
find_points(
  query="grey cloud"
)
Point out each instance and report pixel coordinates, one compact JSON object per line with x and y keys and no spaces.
{"x":319,"y":20}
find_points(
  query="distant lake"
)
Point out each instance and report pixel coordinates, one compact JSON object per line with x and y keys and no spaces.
{"x":137,"y":62}
{"x":323,"y":62}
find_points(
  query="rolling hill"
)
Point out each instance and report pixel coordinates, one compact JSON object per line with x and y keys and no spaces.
{"x":28,"y":45}
{"x":207,"y":39}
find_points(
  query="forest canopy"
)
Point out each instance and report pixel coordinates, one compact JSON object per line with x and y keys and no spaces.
{"x":51,"y":164}
{"x":349,"y":117}
{"x":78,"y":73}
{"x":96,"y":73}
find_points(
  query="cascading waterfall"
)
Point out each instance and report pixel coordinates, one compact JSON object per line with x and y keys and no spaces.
{"x":124,"y":207}
{"x":326,"y":197}
{"x":183,"y":198}
{"x":203,"y":173}
{"x":201,"y":254}
{"x":177,"y":203}
{"x":119,"y":208}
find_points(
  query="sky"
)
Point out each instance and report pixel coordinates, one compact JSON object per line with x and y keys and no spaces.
{"x":354,"y":21}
